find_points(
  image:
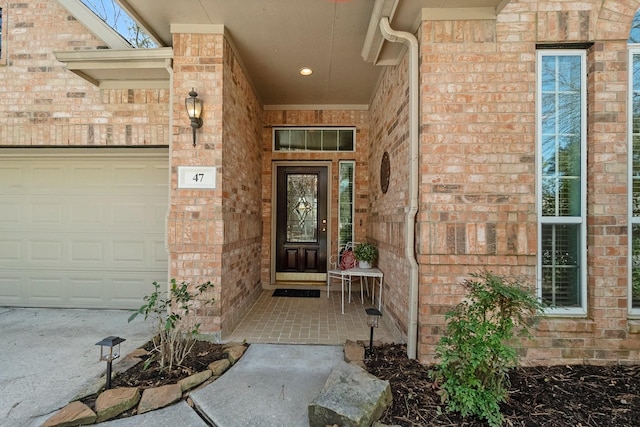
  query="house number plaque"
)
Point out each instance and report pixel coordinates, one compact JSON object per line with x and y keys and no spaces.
{"x":197,"y":177}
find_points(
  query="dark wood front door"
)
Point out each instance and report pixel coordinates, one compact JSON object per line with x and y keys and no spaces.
{"x":301,"y":222}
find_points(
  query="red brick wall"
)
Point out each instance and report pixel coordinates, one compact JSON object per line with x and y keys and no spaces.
{"x":215,"y":234}
{"x":478,"y":204}
{"x":387,"y":216}
{"x":196,"y":223}
{"x":44,"y":104}
{"x":242,"y":187}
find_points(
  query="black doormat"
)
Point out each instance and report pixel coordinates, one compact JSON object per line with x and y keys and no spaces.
{"x":299,"y":293}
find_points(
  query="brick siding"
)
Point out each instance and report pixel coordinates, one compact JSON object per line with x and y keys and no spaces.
{"x":43,"y":104}
{"x":477,"y":201}
{"x":478,"y":169}
{"x":387,"y":216}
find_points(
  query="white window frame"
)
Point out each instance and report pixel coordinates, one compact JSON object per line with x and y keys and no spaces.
{"x":582,"y":219}
{"x":634,"y":49}
{"x":353,"y":198}
{"x":313,"y":128}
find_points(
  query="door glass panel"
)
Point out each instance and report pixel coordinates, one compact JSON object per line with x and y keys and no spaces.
{"x":302,"y":208}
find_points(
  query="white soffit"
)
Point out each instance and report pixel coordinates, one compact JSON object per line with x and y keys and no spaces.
{"x":121,"y":69}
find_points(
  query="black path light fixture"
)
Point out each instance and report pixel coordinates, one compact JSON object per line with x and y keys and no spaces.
{"x":109,"y":351}
{"x":373,"y":319}
{"x":194,"y":110}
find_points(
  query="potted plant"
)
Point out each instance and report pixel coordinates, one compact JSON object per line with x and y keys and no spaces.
{"x":365,"y":253}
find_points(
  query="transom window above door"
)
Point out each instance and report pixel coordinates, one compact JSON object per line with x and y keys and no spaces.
{"x":314,"y":139}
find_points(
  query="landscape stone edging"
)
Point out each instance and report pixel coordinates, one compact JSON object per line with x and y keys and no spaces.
{"x":77,"y":413}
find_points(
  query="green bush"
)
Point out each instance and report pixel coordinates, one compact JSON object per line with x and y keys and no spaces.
{"x":175,"y":334}
{"x":476,"y":350}
{"x":365,"y":252}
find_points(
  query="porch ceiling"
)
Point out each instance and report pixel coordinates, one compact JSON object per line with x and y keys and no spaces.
{"x":338,"y":39}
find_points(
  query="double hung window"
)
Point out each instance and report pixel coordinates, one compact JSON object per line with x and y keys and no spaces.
{"x":561,"y":184}
{"x":634,"y":179}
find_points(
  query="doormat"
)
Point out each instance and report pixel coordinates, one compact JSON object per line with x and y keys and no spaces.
{"x":298,"y":293}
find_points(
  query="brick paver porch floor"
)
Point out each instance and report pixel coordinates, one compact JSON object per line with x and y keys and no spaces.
{"x":289,"y":320}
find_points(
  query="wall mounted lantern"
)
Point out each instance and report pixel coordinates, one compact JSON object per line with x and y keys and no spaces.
{"x":194,"y":110}
{"x":373,"y":318}
{"x":109,"y":351}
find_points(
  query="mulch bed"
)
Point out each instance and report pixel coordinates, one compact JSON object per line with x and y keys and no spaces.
{"x":202,"y":354}
{"x":550,"y":396}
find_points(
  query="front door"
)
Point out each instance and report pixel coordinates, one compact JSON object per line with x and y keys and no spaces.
{"x":301,"y":223}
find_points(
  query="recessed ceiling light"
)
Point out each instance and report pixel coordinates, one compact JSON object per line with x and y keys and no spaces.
{"x":305,"y":71}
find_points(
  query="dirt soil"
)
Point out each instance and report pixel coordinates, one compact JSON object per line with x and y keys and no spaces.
{"x":202,"y":354}
{"x":559,"y":396}
{"x":142,"y":376}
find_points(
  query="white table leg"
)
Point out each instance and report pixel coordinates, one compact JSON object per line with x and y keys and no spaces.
{"x":373,"y":292}
{"x":342,"y":293}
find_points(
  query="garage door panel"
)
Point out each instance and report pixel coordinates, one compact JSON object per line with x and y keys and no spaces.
{"x":88,"y":177}
{"x":47,"y":178}
{"x":85,"y":231}
{"x":47,"y":290}
{"x":12,"y":178}
{"x":11,"y":211}
{"x":128,"y":251}
{"x":49,"y":214}
{"x":129,"y":292}
{"x":160,"y":254}
{"x":72,"y":289}
{"x":45,"y":250}
{"x":83,"y":251}
{"x":11,"y":290}
{"x":131,"y":214}
{"x":89,"y":214}
{"x":105,"y":251}
{"x":86,"y":291}
{"x":129,"y":179}
{"x":10,"y":251}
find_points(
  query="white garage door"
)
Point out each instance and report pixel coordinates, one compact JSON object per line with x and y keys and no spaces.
{"x":82,"y":227}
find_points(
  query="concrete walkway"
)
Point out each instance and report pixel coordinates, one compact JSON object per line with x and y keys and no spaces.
{"x":271,"y":385}
{"x":48,"y":355}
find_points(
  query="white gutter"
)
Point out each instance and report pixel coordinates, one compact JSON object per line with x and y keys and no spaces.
{"x":410,"y":237}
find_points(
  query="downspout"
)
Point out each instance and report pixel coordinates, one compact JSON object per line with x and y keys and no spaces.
{"x":410,"y":237}
{"x":169,"y":67}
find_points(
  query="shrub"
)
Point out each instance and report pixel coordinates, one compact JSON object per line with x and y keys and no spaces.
{"x":476,"y":352}
{"x":175,"y":334}
{"x":365,"y":252}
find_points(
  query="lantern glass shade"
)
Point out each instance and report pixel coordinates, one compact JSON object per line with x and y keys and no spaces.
{"x":110,"y":348}
{"x":373,"y":317}
{"x":194,"y":108}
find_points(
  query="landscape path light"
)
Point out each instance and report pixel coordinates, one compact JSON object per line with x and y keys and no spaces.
{"x":109,"y":351}
{"x":373,"y":320}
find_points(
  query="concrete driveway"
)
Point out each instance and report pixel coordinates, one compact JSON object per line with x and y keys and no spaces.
{"x":48,"y":355}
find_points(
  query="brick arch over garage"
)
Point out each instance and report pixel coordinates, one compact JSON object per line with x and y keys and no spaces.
{"x":615,"y":19}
